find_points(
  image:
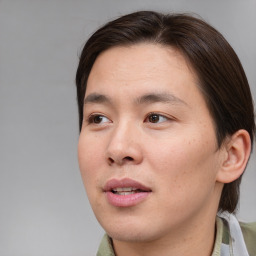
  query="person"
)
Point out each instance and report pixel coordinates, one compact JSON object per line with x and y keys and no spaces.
{"x":166,"y":130}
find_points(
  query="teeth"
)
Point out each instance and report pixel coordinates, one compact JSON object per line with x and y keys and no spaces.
{"x":124,"y":191}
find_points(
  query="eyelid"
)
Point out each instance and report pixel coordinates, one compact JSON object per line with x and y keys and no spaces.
{"x":90,"y":118}
{"x":166,"y":117}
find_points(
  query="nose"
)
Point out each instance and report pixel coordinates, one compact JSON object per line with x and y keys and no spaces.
{"x":124,"y":146}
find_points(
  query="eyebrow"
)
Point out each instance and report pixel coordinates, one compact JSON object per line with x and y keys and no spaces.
{"x":96,"y":98}
{"x":160,"y":97}
{"x":144,"y":99}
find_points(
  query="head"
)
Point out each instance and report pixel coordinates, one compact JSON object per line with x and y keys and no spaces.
{"x":221,"y":78}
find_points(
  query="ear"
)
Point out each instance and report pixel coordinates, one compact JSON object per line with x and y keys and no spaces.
{"x":237,"y":151}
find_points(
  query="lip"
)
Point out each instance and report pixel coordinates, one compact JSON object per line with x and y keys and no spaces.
{"x":125,"y":200}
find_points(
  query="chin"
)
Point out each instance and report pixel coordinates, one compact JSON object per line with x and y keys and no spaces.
{"x":131,"y":230}
{"x":131,"y":236}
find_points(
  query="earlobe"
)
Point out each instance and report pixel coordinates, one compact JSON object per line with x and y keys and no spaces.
{"x":237,"y":151}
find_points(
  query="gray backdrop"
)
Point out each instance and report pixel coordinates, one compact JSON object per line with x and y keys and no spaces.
{"x":43,"y":206}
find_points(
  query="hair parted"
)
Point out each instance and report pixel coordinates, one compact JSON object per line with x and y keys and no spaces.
{"x":222,"y":79}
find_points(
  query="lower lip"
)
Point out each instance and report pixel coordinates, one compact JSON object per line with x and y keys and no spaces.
{"x":126,"y":200}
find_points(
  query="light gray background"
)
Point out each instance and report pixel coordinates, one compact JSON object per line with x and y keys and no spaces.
{"x":43,"y":206}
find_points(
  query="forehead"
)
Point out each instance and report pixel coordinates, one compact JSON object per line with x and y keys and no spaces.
{"x":140,"y":61}
{"x":145,"y":68}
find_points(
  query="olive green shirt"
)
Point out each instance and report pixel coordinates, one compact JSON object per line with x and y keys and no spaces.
{"x":222,"y":237}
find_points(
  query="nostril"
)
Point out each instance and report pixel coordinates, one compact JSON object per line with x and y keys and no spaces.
{"x":121,"y":161}
{"x":110,"y":160}
{"x":128,"y":158}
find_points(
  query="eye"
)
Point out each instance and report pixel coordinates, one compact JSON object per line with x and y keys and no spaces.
{"x":97,"y":119}
{"x":156,"y":118}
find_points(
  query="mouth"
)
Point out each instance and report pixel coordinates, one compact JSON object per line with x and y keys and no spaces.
{"x":125,"y":192}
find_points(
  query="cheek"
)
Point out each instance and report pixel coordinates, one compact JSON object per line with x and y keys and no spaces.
{"x":89,"y":158}
{"x":184,"y":161}
{"x":185,"y":175}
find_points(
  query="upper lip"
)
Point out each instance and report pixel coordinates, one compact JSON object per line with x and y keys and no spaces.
{"x":124,"y":183}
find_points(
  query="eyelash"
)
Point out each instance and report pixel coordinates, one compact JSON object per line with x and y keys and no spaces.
{"x":158,"y":115}
{"x":91,"y":118}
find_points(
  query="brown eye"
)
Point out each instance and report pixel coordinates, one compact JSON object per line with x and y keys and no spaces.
{"x":153,"y":118}
{"x":156,"y":118}
{"x":98,"y":119}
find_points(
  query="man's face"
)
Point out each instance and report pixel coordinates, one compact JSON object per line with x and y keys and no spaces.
{"x":147,"y":151}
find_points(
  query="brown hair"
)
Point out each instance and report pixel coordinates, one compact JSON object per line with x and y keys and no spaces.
{"x":221,"y":75}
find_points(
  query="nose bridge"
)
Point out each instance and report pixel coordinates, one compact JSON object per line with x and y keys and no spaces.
{"x":124,"y":144}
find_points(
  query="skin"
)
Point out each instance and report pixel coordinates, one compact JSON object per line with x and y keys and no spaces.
{"x":176,"y":157}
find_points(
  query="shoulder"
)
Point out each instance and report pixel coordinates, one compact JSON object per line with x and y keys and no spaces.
{"x":248,"y":228}
{"x":249,"y":233}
